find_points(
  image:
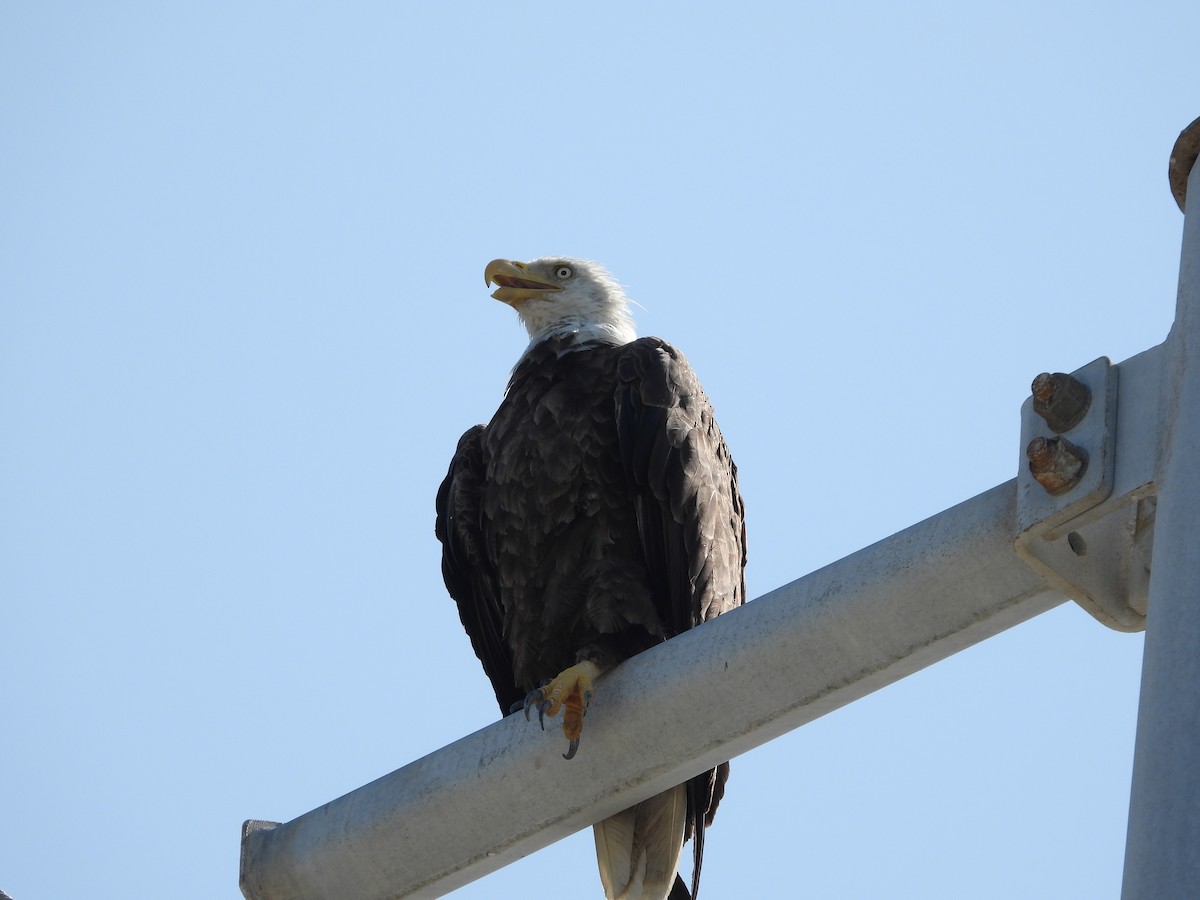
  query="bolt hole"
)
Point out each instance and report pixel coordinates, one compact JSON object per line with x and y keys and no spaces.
{"x":1077,"y":544}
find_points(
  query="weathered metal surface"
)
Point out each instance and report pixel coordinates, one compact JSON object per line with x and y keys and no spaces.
{"x":1084,"y":528}
{"x":1061,"y":400}
{"x":1183,"y":158}
{"x":1056,"y":464}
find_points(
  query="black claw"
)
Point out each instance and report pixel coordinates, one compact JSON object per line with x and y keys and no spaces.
{"x":570,"y":754}
{"x":546,"y":704}
{"x":531,"y":698}
{"x":516,"y":707}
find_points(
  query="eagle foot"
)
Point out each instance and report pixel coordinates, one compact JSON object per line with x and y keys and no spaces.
{"x":570,"y":692}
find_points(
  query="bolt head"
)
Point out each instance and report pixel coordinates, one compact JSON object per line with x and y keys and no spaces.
{"x":1061,"y":400}
{"x":1056,"y":463}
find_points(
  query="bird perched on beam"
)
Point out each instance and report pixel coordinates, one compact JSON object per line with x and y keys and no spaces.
{"x":596,"y":515}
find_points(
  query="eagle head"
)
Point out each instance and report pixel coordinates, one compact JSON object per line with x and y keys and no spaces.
{"x":556,"y":294}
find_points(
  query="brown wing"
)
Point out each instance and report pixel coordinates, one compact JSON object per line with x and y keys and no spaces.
{"x":690,"y":513}
{"x":468,"y":573}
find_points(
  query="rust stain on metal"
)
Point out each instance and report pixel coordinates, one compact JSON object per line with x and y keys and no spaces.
{"x":1183,"y":158}
{"x":1061,"y":400}
{"x":1056,"y":463}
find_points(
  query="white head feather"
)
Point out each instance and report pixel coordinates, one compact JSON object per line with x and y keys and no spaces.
{"x":584,"y":300}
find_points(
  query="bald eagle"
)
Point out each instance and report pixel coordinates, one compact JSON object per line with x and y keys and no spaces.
{"x":597,"y":515}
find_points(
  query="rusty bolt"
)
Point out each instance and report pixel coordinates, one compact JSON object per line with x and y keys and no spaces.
{"x":1061,"y":400}
{"x":1056,"y":463}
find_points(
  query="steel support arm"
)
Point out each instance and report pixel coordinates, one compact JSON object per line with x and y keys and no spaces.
{"x":783,"y":660}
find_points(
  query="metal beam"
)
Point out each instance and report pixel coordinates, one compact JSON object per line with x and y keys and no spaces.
{"x":1162,"y":851}
{"x":783,"y":660}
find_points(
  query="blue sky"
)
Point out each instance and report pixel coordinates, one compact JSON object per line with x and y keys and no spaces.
{"x":242,"y":325}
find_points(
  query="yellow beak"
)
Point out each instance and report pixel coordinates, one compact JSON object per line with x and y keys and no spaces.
{"x":515,"y":282}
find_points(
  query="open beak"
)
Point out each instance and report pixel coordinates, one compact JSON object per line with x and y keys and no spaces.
{"x":515,"y":283}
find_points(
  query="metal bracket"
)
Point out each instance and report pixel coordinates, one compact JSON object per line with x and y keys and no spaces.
{"x":1101,"y":561}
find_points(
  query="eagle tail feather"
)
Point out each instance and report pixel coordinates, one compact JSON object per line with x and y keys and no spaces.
{"x":614,"y":850}
{"x":698,"y":792}
{"x":638,"y":849}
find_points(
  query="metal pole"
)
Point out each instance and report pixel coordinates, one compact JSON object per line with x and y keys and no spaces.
{"x":1162,"y":852}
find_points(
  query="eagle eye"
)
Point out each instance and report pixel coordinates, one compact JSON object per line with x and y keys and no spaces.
{"x":563,"y":272}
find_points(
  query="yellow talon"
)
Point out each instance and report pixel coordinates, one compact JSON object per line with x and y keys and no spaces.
{"x":571,"y":692}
